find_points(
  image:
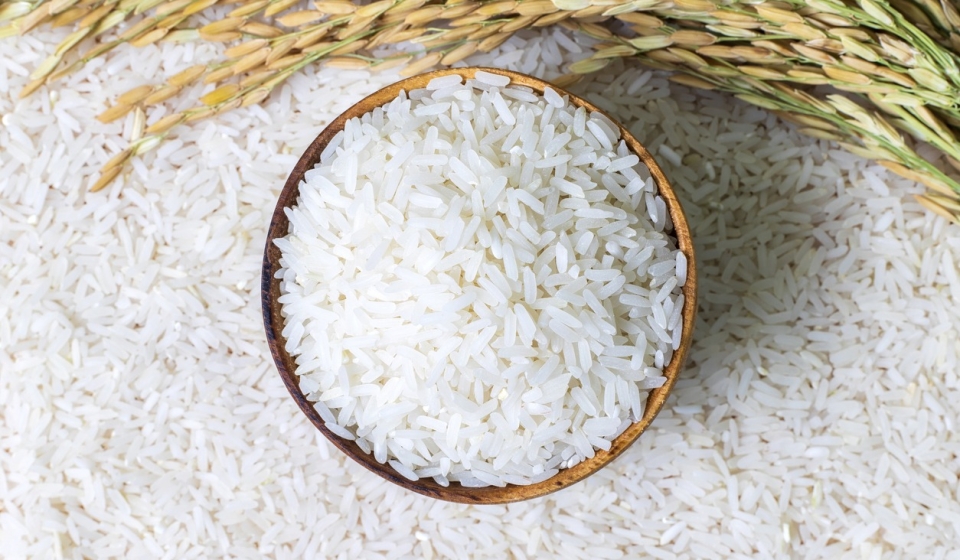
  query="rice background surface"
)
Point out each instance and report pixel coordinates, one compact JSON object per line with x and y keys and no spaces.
{"x":142,"y":416}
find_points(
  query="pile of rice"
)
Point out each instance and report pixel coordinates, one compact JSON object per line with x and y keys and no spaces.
{"x":478,"y":283}
{"x":141,"y":414}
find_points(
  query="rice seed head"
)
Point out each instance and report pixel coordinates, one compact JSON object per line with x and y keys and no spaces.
{"x":149,"y":38}
{"x":923,"y":178}
{"x":717,"y":51}
{"x":821,"y":134}
{"x":249,"y":8}
{"x":536,"y":8}
{"x":45,"y":67}
{"x":876,"y":11}
{"x":335,"y":7}
{"x":803,"y":31}
{"x":165,"y":124}
{"x":652,"y":42}
{"x":690,"y":58}
{"x":759,"y":101}
{"x":493,"y":42}
{"x":305,"y":40}
{"x":521,"y":22}
{"x":346,"y":62}
{"x":135,"y":95}
{"x":627,"y":7}
{"x":275,"y":8}
{"x":162,"y":94}
{"x":257,"y":77}
{"x":392,"y":62}
{"x":280,"y":49}
{"x":146,"y":144}
{"x":285,"y":62}
{"x":695,"y":6}
{"x":226,"y":37}
{"x":228,"y":106}
{"x":902,"y":99}
{"x":139,"y":120}
{"x":350,"y":47}
{"x":937,"y":99}
{"x":828,"y":45}
{"x":66,"y":17}
{"x":591,"y":13}
{"x":458,"y":9}
{"x":930,"y":79}
{"x":198,"y":6}
{"x":255,"y":97}
{"x":71,"y":41}
{"x":222,"y":26}
{"x":691,"y":38}
{"x":931,"y":120}
{"x":459,"y":53}
{"x":219,"y":74}
{"x":94,"y":17}
{"x":811,"y":76}
{"x":246,"y":48}
{"x":170,"y":6}
{"x":643,"y":20}
{"x":692,"y":81}
{"x":588,"y":65}
{"x":374,"y":9}
{"x":422,"y":64}
{"x":220,"y":94}
{"x":251,"y":61}
{"x":616,"y":51}
{"x":14,"y":10}
{"x":199,"y":114}
{"x":356,"y":26}
{"x":105,"y":179}
{"x":846,"y":75}
{"x":28,"y":22}
{"x":258,"y":29}
{"x":777,"y":15}
{"x":861,"y":151}
{"x":113,"y":113}
{"x":833,"y":20}
{"x":665,"y":56}
{"x":729,"y":31}
{"x":405,"y":6}
{"x":813,"y":54}
{"x":551,"y":19}
{"x":32,"y":86}
{"x":934,"y":206}
{"x":859,"y":49}
{"x":422,"y":16}
{"x":596,"y":31}
{"x":117,"y":161}
{"x":898,"y":78}
{"x":571,"y":5}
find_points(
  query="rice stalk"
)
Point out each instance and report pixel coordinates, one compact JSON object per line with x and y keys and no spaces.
{"x":897,"y":60}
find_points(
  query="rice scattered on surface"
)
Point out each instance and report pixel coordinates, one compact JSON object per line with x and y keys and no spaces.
{"x":474,"y":290}
{"x":142,"y":416}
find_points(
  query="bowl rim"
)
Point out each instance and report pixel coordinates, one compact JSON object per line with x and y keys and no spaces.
{"x":286,"y":366}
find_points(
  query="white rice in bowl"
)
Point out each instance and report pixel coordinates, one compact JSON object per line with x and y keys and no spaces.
{"x":480,"y":283}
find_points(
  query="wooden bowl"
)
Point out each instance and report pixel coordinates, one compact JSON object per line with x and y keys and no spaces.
{"x":273,"y":320}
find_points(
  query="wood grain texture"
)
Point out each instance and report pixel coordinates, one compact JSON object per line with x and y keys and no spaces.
{"x":273,"y":319}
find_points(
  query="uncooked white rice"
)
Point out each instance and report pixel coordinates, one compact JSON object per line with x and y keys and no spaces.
{"x":451,"y":276}
{"x":141,"y":415}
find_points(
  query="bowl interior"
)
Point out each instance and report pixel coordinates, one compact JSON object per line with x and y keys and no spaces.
{"x":273,"y":319}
